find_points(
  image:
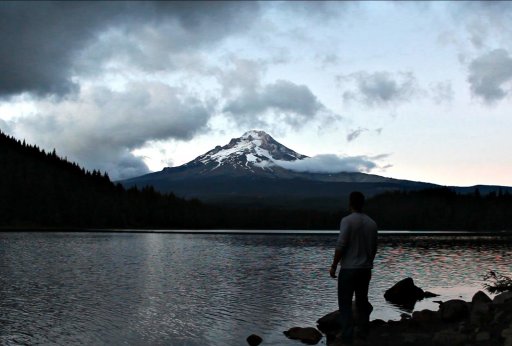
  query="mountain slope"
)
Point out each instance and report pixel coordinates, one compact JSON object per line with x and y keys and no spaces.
{"x":247,"y":171}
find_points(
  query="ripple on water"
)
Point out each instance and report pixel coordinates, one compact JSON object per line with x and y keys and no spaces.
{"x":179,"y":289}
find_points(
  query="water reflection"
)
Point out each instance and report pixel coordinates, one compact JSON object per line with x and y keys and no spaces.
{"x":183,"y":289}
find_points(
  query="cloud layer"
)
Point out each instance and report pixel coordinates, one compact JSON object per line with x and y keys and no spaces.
{"x":51,"y":49}
{"x":100,"y":128}
{"x":330,"y":163}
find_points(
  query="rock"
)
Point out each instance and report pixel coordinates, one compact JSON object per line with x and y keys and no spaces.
{"x":310,"y":336}
{"x":425,"y":316}
{"x":507,"y":333}
{"x":254,"y":340}
{"x":405,"y":316}
{"x":498,"y":316}
{"x":428,"y":294}
{"x":481,"y":297}
{"x":454,"y":310}
{"x":464,"y":328}
{"x":449,"y":338}
{"x":404,"y":293}
{"x":483,"y":336}
{"x":329,"y":323}
{"x":377,"y":323}
{"x":502,"y":298}
{"x":479,"y":312}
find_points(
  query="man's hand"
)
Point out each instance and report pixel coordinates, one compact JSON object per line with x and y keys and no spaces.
{"x":332,"y":272}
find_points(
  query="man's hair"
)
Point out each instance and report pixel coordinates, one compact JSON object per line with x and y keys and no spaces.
{"x":356,"y":200}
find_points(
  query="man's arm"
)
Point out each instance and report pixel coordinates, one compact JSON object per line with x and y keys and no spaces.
{"x":340,"y":247}
{"x":335,"y":261}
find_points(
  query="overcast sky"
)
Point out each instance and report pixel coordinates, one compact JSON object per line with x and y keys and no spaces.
{"x":420,"y":91}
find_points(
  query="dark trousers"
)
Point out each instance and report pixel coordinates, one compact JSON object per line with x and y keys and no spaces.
{"x":352,"y":281}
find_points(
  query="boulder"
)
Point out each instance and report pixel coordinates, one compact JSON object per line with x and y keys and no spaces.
{"x":454,"y":310}
{"x":329,"y":323}
{"x":507,"y":333}
{"x":425,"y":316}
{"x":480,"y":297}
{"x":479,"y":312}
{"x":428,"y":294}
{"x":483,"y":336}
{"x":449,"y":338}
{"x":310,"y":336}
{"x":254,"y":340}
{"x":404,"y":293}
{"x":502,"y":298}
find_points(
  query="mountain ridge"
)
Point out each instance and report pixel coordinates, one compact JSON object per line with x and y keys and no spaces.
{"x":246,"y":171}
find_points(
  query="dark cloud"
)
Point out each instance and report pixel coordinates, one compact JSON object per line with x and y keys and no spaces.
{"x":330,"y":163}
{"x":490,"y":75}
{"x":353,"y":134}
{"x":251,"y":103}
{"x":290,"y":103}
{"x":101,"y":128}
{"x":379,"y":88}
{"x":43,"y":42}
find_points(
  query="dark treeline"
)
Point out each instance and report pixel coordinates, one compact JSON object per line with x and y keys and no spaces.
{"x":40,"y":189}
{"x":442,"y":209}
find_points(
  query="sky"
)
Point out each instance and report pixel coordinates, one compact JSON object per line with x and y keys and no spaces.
{"x":411,"y":90}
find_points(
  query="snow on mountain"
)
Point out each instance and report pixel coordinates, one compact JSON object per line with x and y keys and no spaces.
{"x":253,"y":149}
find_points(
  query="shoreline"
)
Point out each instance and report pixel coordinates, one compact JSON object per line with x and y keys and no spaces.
{"x":481,"y":321}
{"x":382,"y":233}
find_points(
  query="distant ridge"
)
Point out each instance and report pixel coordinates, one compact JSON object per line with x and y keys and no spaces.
{"x":40,"y":190}
{"x":246,"y":171}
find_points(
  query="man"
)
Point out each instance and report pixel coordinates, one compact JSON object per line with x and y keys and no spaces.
{"x":356,"y":249}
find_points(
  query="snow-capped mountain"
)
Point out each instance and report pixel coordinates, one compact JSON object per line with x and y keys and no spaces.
{"x":247,"y":171}
{"x":255,"y":149}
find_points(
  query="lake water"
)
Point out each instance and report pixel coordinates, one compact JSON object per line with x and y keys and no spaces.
{"x":209,"y":289}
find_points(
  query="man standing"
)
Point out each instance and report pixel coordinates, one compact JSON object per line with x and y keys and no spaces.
{"x":356,"y":249}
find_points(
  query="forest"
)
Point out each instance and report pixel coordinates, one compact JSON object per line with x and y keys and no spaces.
{"x":40,"y":190}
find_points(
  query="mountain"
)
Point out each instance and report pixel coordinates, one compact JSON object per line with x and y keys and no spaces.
{"x":249,"y":171}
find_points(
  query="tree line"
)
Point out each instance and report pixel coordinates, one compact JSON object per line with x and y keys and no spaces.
{"x":39,"y":189}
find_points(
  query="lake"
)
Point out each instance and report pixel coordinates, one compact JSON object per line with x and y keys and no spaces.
{"x":210,"y":289}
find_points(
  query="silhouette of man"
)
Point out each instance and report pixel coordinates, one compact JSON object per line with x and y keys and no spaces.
{"x":355,"y":251}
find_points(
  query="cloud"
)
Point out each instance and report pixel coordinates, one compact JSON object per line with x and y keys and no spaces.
{"x":4,"y":126}
{"x":291,"y":103}
{"x":100,"y":128}
{"x":484,"y":21}
{"x":490,"y":75}
{"x":379,"y":88}
{"x":442,"y":92}
{"x":330,"y":163}
{"x":353,"y":134}
{"x":45,"y":46}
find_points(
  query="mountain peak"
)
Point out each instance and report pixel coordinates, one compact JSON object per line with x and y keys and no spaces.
{"x":253,"y":150}
{"x":255,"y":134}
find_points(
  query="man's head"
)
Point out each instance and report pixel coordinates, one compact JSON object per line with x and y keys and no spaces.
{"x":356,"y":201}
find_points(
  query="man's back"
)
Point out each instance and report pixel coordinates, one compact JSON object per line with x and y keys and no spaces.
{"x":357,"y":241}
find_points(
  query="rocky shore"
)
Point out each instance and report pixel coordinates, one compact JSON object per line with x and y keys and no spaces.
{"x":482,"y":321}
